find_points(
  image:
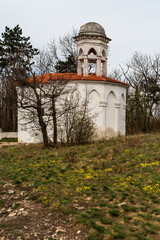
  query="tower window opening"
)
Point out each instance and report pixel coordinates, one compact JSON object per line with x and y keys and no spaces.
{"x":82,"y":67}
{"x":92,"y":67}
{"x":92,"y":51}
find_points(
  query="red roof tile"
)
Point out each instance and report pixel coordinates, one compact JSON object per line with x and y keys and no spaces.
{"x":75,"y":77}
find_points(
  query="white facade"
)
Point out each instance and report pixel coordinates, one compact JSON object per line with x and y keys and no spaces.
{"x":107,"y":101}
{"x":8,"y":134}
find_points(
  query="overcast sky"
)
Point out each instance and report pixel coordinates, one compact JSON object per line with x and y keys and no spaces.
{"x":133,"y":25}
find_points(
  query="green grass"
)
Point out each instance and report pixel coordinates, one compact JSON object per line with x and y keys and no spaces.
{"x":9,"y":140}
{"x":110,"y":188}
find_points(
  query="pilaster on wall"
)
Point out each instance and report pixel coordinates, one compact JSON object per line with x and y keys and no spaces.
{"x":124,"y":119}
{"x":103,"y":105}
{"x":117,"y":107}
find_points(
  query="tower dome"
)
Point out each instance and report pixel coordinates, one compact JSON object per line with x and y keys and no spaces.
{"x":92,"y":28}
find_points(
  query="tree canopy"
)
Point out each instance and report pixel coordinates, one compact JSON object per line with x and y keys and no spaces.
{"x":67,"y":66}
{"x":16,"y":59}
{"x":16,"y":53}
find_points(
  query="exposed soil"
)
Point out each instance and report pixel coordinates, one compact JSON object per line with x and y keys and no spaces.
{"x":5,"y":144}
{"x":22,"y":218}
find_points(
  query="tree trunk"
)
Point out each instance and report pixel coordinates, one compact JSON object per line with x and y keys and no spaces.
{"x":44,"y":134}
{"x":43,"y":127}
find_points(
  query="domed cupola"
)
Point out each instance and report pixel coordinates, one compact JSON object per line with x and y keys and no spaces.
{"x":92,"y":29}
{"x":92,"y":46}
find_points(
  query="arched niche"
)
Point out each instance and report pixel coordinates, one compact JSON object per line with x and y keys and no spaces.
{"x":111,"y":111}
{"x":76,"y":94}
{"x":72,"y":97}
{"x":111,"y":98}
{"x":94,"y":100}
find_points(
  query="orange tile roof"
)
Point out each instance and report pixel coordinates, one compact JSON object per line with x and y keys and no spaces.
{"x":74,"y":76}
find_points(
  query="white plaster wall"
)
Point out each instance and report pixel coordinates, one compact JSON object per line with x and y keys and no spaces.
{"x":111,"y":121}
{"x":26,"y":131}
{"x":27,"y":136}
{"x":9,"y":134}
{"x":111,"y":110}
{"x":106,"y":102}
{"x":122,"y":114}
{"x":94,"y":105}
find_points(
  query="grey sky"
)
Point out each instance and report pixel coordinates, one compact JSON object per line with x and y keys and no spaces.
{"x":133,"y":25}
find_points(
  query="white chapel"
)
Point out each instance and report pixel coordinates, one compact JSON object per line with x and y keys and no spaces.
{"x":107,"y":95}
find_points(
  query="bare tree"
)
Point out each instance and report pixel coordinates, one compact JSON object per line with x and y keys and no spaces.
{"x":116,"y":74}
{"x":143,"y":75}
{"x":45,"y":97}
{"x":31,"y":98}
{"x":50,"y":106}
{"x":78,"y":123}
{"x":68,"y":45}
{"x":64,"y":54}
{"x":56,"y":92}
{"x":40,"y":97}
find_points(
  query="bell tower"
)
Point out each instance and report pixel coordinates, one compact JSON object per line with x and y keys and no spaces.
{"x":92,"y":45}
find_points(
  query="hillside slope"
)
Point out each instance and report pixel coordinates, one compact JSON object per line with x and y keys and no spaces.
{"x":104,"y":190}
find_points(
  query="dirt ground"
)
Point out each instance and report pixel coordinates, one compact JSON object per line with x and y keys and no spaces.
{"x":4,"y":144}
{"x":23,"y":218}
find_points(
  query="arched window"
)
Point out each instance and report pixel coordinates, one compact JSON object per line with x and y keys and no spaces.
{"x":92,"y":51}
